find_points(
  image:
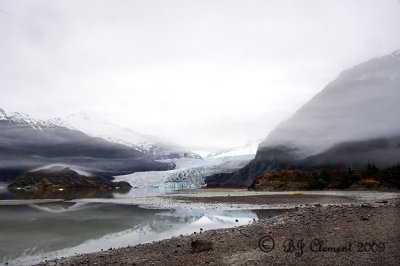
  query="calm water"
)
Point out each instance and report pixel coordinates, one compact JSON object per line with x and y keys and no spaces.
{"x":32,"y":233}
{"x":68,"y":194}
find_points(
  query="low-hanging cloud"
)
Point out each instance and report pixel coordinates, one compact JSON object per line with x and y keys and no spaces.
{"x":361,"y":104}
{"x":204,"y":74}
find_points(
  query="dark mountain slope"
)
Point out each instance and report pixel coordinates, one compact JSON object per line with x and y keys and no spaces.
{"x":352,"y":122}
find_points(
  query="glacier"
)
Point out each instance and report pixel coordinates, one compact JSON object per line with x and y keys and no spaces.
{"x":188,"y":174}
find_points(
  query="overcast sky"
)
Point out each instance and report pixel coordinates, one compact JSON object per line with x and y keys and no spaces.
{"x":205,"y":74}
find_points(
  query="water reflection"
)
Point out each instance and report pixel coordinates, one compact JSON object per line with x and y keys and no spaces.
{"x":69,"y":194}
{"x":29,"y":234}
{"x":66,"y":194}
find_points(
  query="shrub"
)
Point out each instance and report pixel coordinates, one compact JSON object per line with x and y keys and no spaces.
{"x":348,"y":177}
{"x":371,"y":170}
{"x":319,"y":178}
{"x":369,"y":182}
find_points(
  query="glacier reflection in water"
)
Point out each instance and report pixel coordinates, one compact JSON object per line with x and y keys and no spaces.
{"x":32,"y":233}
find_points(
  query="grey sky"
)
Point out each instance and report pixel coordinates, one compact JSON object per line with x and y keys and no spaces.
{"x":205,"y":74}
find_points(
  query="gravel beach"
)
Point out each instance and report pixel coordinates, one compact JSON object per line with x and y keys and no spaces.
{"x":291,"y":199}
{"x":358,"y":233}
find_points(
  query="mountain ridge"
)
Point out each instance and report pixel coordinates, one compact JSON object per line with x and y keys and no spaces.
{"x":27,"y":143}
{"x":358,"y":110}
{"x":150,"y":145}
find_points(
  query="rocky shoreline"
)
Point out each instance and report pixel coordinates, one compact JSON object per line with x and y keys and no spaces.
{"x":293,"y":199}
{"x":341,"y":234}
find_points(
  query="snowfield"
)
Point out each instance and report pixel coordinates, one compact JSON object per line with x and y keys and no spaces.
{"x":97,"y":127}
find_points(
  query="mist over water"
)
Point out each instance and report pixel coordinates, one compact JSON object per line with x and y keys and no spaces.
{"x":59,"y":166}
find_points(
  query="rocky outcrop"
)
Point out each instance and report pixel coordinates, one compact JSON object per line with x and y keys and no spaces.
{"x":63,"y":178}
{"x":290,"y":180}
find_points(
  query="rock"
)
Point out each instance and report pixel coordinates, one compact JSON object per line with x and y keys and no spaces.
{"x":366,"y":206}
{"x":59,"y":178}
{"x":201,"y":245}
{"x":382,"y":201}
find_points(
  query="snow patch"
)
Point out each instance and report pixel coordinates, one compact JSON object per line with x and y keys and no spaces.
{"x":249,"y":149}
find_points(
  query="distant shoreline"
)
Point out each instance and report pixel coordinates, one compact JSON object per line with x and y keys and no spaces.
{"x":223,"y":198}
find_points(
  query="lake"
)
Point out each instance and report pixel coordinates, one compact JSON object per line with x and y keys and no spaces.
{"x":32,"y":233}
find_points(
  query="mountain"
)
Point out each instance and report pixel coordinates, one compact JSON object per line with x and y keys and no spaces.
{"x":150,"y":145}
{"x":27,"y":143}
{"x":16,"y":118}
{"x":353,"y":121}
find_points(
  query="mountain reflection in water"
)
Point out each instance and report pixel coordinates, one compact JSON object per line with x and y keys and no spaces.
{"x":31,"y":233}
{"x":66,"y":194}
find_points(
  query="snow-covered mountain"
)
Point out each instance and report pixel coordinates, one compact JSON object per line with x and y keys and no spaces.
{"x":27,"y":144}
{"x":353,"y":121}
{"x":24,"y":119}
{"x":147,"y":144}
